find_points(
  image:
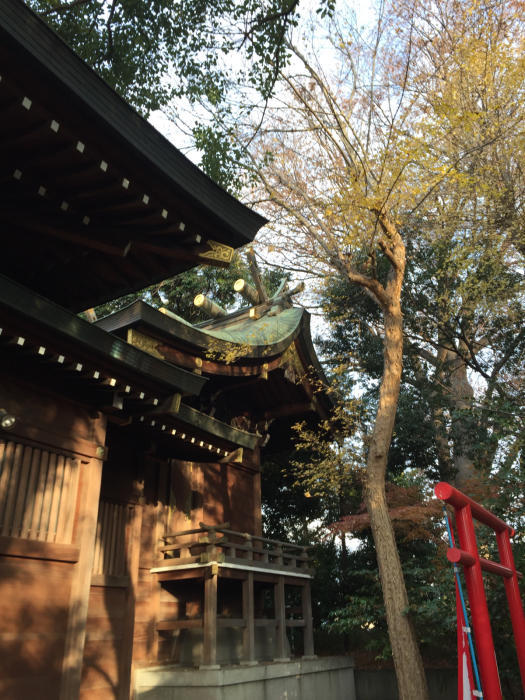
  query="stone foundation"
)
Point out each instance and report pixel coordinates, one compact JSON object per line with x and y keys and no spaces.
{"x":229,"y":646}
{"x":326,"y":678}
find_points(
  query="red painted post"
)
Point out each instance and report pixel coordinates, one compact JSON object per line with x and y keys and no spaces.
{"x":456,"y":498}
{"x":478,"y":605}
{"x":468,"y":555}
{"x":514,"y":599}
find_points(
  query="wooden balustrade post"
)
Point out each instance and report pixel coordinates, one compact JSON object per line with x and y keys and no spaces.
{"x":304,"y":557}
{"x":248,"y":614}
{"x":306,"y":598}
{"x":209,"y":641}
{"x":280,"y":614}
{"x":279,"y":554}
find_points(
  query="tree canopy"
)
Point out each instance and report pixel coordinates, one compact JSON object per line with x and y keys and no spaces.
{"x":395,"y":168}
{"x":153,"y":50}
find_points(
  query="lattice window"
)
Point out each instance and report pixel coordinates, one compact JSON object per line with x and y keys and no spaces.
{"x":38,"y":490}
{"x":112,"y":543}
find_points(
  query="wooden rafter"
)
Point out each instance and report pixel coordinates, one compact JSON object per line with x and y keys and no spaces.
{"x":74,"y":237}
{"x":171,"y":251}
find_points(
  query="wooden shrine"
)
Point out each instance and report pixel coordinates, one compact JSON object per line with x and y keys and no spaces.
{"x":214,"y":568}
{"x":130,"y":448}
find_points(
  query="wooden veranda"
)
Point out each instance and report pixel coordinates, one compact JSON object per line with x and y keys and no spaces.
{"x":211,"y":553}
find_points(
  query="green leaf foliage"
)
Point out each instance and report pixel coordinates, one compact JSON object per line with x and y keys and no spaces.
{"x":152,"y":50}
{"x":177,"y":294}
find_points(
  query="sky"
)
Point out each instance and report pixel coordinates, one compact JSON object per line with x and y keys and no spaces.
{"x":160,"y":119}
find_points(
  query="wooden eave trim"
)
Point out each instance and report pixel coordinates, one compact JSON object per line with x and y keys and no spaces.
{"x":191,"y":427}
{"x":188,"y":361}
{"x":35,"y":549}
{"x":217,"y":428}
{"x":47,"y":314}
{"x":308,"y":357}
{"x":305,"y":348}
{"x":107,"y":233}
{"x":42,"y":437}
{"x":79,"y":82}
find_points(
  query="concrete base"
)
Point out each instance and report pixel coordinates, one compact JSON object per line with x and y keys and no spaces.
{"x":329,"y":678}
{"x":229,"y":645}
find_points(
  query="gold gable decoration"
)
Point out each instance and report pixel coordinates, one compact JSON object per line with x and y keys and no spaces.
{"x":144,"y":342}
{"x":218,"y":254}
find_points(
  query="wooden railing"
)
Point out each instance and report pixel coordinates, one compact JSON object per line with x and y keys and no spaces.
{"x":287,"y":564}
{"x":219,"y":543}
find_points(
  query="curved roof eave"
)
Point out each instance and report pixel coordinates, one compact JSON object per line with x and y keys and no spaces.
{"x":250,"y":339}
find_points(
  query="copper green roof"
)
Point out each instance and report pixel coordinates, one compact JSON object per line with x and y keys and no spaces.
{"x":267,"y":331}
{"x":264,"y":337}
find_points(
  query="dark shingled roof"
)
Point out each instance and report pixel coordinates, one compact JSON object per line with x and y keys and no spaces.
{"x":109,"y":205}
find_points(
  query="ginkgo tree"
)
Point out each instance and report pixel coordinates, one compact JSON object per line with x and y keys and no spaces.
{"x":408,"y":135}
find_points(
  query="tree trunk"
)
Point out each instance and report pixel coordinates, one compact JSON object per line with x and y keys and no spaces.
{"x":410,"y":674}
{"x":437,"y":403}
{"x":452,"y":374}
{"x":461,"y":396}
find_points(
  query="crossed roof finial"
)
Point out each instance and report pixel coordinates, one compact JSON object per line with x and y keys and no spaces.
{"x":257,"y":296}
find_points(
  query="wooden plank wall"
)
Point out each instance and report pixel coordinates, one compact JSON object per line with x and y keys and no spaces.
{"x":106,"y":670}
{"x":44,"y":460}
{"x":111,"y":550}
{"x":126,"y":600}
{"x":177,"y":496}
{"x":221,"y":493}
{"x":102,"y":663}
{"x":155,"y":513}
{"x":34,"y":606}
{"x":37,"y":565}
{"x":106,"y":653}
{"x":38,"y":490}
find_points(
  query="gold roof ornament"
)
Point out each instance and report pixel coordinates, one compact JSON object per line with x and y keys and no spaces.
{"x":217,"y":254}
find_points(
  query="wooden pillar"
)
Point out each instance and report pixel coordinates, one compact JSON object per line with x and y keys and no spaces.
{"x":280,"y":614}
{"x":308,"y":622}
{"x":86,"y":527}
{"x":133,"y":532}
{"x":209,"y":642}
{"x":158,"y":517}
{"x":257,"y":504}
{"x":248,"y":614}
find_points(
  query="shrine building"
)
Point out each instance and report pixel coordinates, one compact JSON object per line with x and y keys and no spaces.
{"x":132,"y":558}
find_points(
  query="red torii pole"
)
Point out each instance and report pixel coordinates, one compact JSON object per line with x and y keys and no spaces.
{"x":466,"y":509}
